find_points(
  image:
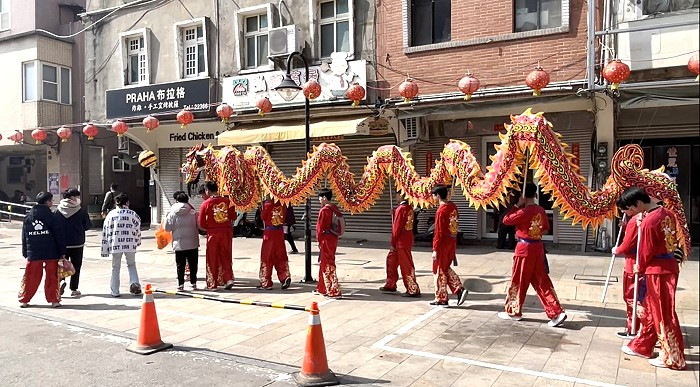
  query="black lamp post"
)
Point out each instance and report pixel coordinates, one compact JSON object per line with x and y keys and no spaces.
{"x":288,"y":90}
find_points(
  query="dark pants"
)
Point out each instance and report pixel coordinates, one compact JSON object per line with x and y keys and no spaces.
{"x":75,"y":256}
{"x":189,"y":257}
{"x":503,"y":232}
{"x":289,"y":238}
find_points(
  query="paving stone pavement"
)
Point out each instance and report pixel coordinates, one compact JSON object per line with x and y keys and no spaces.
{"x":377,"y":338}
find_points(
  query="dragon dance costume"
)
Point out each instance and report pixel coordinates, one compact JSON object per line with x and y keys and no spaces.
{"x":400,"y":256}
{"x":628,"y":248}
{"x":273,"y":253}
{"x":328,"y":243}
{"x":445,"y":247}
{"x":215,"y":216}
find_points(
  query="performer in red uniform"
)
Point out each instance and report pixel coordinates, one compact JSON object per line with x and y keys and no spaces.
{"x":628,"y":248}
{"x":400,"y":253}
{"x":215,"y":216}
{"x":273,"y":254}
{"x":657,"y":243}
{"x":530,"y":221}
{"x":444,"y":249}
{"x":327,"y":243}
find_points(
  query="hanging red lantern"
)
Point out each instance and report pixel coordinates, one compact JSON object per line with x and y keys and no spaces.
{"x":264,"y":106}
{"x":311,"y":89}
{"x":355,"y":93}
{"x":224,"y":111}
{"x":408,"y":90}
{"x":616,"y":72}
{"x":468,"y":85}
{"x":151,"y":123}
{"x":119,"y":127}
{"x":0,"y":137}
{"x":694,"y":66}
{"x":64,"y":133}
{"x":90,"y":131}
{"x":17,"y":137}
{"x":537,"y":80}
{"x":185,"y":117}
{"x":39,"y":135}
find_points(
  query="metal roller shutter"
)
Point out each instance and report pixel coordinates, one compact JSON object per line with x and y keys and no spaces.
{"x":468,"y":216}
{"x":644,"y":132}
{"x":658,"y":122}
{"x":169,"y":162}
{"x":420,"y":161}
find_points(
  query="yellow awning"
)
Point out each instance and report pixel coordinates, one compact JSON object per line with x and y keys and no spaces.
{"x":292,"y":130}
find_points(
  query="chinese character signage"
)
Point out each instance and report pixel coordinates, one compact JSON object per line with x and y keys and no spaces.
{"x":335,"y":78}
{"x":160,"y":98}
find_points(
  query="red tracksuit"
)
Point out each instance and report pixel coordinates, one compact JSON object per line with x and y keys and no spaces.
{"x":628,"y":248}
{"x":402,"y":242}
{"x":215,"y":216}
{"x":328,"y":242}
{"x":656,"y":245}
{"x":528,"y":261}
{"x":273,"y":253}
{"x":445,"y":247}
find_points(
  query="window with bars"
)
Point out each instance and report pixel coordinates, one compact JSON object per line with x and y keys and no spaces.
{"x":4,"y":15}
{"x":194,"y":52}
{"x":431,"y":21}
{"x":137,"y":63}
{"x":255,"y":36}
{"x":335,"y":27}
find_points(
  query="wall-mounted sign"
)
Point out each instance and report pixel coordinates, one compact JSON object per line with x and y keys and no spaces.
{"x":428,"y":163}
{"x":672,"y":166}
{"x":161,"y":98}
{"x":335,"y":78}
{"x":499,"y":128}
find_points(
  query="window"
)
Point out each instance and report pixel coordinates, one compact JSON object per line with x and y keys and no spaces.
{"x":335,"y":29}
{"x":47,"y":82}
{"x":533,"y":15}
{"x":96,"y":174}
{"x":255,"y":35}
{"x":136,"y":58}
{"x":430,"y":22}
{"x":4,"y":15}
{"x":191,"y":41}
{"x":651,"y":7}
{"x":120,"y":166}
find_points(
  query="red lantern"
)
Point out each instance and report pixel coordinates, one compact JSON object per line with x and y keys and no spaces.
{"x":64,"y":133}
{"x":616,"y":72}
{"x":39,"y":135}
{"x":0,"y":137}
{"x":408,"y":89}
{"x":185,"y":117}
{"x":119,"y":127}
{"x":150,"y":123}
{"x":264,"y":106}
{"x":468,"y":85}
{"x":355,"y":93}
{"x":537,"y":80}
{"x":17,"y":137}
{"x":694,"y":67}
{"x":90,"y":131}
{"x":224,"y":111}
{"x":311,"y":89}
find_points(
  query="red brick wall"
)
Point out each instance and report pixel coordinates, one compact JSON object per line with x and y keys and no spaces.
{"x":495,"y":64}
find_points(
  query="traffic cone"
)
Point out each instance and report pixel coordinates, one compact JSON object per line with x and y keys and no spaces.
{"x":148,"y":341}
{"x":314,"y":368}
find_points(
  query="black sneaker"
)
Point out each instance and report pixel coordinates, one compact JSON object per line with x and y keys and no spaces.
{"x":385,"y":289}
{"x":462,"y":296}
{"x":438,"y":303}
{"x":287,"y":283}
{"x":625,"y":335}
{"x":63,"y":287}
{"x":415,"y":295}
{"x":135,"y":289}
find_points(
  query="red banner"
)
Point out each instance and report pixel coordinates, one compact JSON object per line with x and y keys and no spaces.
{"x":576,"y":151}
{"x":428,"y":163}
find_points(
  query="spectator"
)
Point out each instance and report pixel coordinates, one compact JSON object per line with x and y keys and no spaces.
{"x":121,"y":235}
{"x":42,"y":245}
{"x":109,"y":204}
{"x":182,"y":222}
{"x":289,"y":221}
{"x":74,"y":221}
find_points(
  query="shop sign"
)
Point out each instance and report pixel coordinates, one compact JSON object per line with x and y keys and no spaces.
{"x":335,"y":78}
{"x":158,"y":99}
{"x":328,"y":138}
{"x":672,"y":166}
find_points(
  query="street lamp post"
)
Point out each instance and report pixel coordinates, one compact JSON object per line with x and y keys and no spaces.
{"x":288,"y":90}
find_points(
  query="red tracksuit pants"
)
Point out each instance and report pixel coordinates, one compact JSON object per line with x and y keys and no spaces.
{"x":327,"y":278}
{"x":219,"y":256}
{"x":273,"y":255}
{"x":401,"y":258}
{"x":530,"y":270}
{"x":660,"y":322}
{"x":628,"y":296}
{"x":32,"y":279}
{"x":443,"y":275}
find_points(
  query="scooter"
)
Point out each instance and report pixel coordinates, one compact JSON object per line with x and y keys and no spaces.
{"x":427,"y":236}
{"x":245,"y":228}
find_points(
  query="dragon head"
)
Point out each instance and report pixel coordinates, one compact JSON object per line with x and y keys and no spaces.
{"x":193,"y":165}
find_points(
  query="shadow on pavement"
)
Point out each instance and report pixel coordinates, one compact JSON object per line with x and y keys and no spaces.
{"x":96,"y":307}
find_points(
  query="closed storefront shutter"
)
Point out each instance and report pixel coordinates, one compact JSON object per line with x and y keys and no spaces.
{"x":169,"y":163}
{"x":658,"y":122}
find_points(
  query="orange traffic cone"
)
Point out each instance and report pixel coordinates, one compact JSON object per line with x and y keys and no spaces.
{"x":314,"y":368}
{"x":148,"y":341}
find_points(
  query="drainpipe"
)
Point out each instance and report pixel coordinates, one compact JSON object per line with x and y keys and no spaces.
{"x":590,"y":55}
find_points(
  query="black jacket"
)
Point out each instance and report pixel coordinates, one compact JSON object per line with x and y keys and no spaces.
{"x":42,"y":238}
{"x":74,"y":227}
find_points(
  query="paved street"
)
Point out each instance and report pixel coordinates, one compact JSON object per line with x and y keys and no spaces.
{"x":371,"y":337}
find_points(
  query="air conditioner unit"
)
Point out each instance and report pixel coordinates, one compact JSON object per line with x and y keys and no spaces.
{"x":411,"y":125}
{"x":282,"y":41}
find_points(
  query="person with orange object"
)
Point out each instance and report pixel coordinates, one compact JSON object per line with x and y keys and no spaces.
{"x":400,"y":252}
{"x":445,"y":250}
{"x":628,"y":248}
{"x":327,"y":236}
{"x":657,"y":263}
{"x":529,"y":261}
{"x":215,"y":217}
{"x":273,"y":253}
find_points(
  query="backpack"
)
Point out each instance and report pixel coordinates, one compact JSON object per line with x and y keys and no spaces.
{"x":337,"y":224}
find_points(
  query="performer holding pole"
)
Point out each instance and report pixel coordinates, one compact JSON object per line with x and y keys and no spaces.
{"x":628,"y":248}
{"x":656,"y":261}
{"x":215,"y":216}
{"x":273,"y":253}
{"x":400,"y":252}
{"x":614,"y":255}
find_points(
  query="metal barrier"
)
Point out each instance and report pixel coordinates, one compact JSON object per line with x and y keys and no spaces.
{"x":278,"y":305}
{"x":9,"y":206}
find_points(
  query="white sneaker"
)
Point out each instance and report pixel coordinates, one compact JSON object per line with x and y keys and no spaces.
{"x":628,"y":351}
{"x":193,"y":286}
{"x":229,"y":285}
{"x":506,"y":316}
{"x":55,"y":305}
{"x":75,"y":293}
{"x":555,"y":322}
{"x":657,"y":362}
